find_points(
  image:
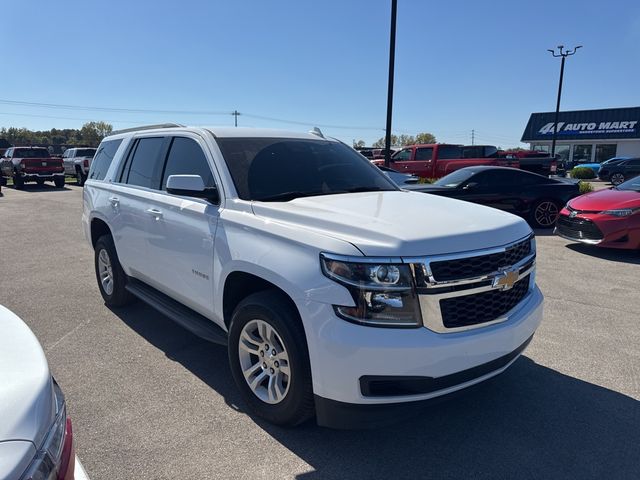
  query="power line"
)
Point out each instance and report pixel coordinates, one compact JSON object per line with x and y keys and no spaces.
{"x":69,"y":118}
{"x":109,"y":109}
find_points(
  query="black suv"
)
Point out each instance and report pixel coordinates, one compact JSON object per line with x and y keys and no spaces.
{"x":621,"y":171}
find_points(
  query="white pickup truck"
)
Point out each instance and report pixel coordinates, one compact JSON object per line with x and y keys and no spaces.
{"x":77,"y":161}
{"x":337,"y":293}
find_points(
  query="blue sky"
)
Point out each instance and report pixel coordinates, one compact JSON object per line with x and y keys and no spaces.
{"x":460,"y":65}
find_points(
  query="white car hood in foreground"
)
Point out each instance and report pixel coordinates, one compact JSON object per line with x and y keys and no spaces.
{"x":399,"y":223}
{"x":27,"y":405}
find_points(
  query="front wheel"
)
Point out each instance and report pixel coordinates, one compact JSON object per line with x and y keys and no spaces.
{"x":269,"y":359}
{"x":545,"y":213}
{"x":18,"y":182}
{"x":111,"y":278}
{"x":617,"y":179}
{"x":80,"y":177}
{"x":58,"y":181}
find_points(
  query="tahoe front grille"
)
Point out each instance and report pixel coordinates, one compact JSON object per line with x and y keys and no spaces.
{"x":480,"y":265}
{"x":578,"y":228}
{"x":482,"y":307}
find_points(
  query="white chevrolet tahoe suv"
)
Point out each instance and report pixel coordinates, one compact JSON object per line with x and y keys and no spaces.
{"x":337,"y":293}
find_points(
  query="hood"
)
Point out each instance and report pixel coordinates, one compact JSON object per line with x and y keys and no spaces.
{"x":26,"y":390}
{"x":606,"y":200}
{"x":15,"y":457}
{"x":399,"y":223}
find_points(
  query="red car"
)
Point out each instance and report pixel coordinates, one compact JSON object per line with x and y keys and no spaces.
{"x":607,"y":218}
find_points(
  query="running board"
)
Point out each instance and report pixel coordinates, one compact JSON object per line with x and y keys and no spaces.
{"x":183,"y":316}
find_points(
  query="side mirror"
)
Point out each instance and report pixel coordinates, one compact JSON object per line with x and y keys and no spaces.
{"x":470,"y":186}
{"x":191,"y":186}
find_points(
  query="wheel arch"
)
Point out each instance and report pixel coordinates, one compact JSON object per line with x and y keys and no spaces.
{"x":239,"y":284}
{"x":98,"y":228}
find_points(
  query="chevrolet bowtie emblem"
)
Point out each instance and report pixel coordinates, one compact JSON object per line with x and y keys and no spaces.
{"x":506,"y":279}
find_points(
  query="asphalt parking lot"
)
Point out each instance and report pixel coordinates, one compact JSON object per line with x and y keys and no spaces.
{"x":149,"y":400}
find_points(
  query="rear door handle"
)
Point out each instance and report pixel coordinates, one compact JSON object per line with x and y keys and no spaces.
{"x":155,"y":212}
{"x":115,"y":201}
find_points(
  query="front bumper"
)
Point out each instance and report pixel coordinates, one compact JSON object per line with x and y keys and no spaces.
{"x":616,"y":232}
{"x":342,"y":354}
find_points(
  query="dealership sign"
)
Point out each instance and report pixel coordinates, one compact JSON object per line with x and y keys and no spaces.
{"x":596,"y":124}
{"x":592,"y":127}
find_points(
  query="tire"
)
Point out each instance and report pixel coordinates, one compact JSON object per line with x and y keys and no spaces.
{"x":109,"y":274}
{"x":58,"y":181}
{"x":291,"y":403}
{"x":18,"y":182}
{"x":545,"y":213}
{"x":617,"y":178}
{"x":80,"y":177}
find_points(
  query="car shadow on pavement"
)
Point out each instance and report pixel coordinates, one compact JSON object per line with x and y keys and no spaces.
{"x":34,"y":187}
{"x":530,"y":422}
{"x":612,"y":254}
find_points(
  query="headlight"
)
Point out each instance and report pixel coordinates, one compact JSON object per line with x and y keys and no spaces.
{"x":383,"y":293}
{"x":47,"y":461}
{"x":621,"y":212}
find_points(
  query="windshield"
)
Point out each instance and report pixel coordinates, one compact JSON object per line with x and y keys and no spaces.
{"x":85,"y":152}
{"x":455,"y":178}
{"x":633,"y":184}
{"x":31,"y":153}
{"x":276,"y":169}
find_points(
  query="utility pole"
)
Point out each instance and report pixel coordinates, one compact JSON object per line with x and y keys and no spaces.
{"x":564,"y":55}
{"x":392,"y":57}
{"x":473,"y":137}
{"x":236,"y":113}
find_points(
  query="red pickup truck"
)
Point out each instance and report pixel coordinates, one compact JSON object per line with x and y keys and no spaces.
{"x":439,"y":159}
{"x":29,"y":164}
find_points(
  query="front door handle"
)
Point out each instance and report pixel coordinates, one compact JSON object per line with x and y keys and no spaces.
{"x":115,"y":201}
{"x":155,"y":212}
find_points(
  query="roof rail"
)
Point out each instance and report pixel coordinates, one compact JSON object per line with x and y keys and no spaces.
{"x":146,"y":127}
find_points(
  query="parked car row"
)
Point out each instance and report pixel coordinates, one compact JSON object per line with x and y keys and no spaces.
{"x":607,"y":218}
{"x":439,"y":159}
{"x":36,"y":164}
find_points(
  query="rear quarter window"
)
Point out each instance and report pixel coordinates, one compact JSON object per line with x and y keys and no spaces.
{"x":103,"y":158}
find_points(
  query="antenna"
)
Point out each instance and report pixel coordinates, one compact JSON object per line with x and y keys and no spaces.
{"x":317,"y":132}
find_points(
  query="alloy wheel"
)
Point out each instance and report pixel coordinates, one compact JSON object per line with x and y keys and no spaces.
{"x":105,"y":271}
{"x":264,"y":361}
{"x":617,"y":178}
{"x":546,"y":213}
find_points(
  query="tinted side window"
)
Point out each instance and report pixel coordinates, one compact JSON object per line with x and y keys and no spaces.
{"x":449,"y":151}
{"x":402,"y":155}
{"x":424,"y":153}
{"x":103,"y":158}
{"x":187,"y":158}
{"x":143,"y":170}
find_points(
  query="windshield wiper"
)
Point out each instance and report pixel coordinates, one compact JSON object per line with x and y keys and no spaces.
{"x":286,"y":196}
{"x":366,"y":189}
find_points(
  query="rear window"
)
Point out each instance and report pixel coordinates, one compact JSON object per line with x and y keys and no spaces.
{"x":103,"y":158}
{"x":449,"y":151}
{"x":85,"y":152}
{"x":31,"y":153}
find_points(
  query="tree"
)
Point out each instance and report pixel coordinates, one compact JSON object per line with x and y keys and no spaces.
{"x":358,"y":144}
{"x":380,"y":142}
{"x":92,"y":133}
{"x":425,"y":137}
{"x":404,"y":140}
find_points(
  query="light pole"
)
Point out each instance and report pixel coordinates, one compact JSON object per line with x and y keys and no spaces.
{"x":392,"y":56}
{"x":564,"y":54}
